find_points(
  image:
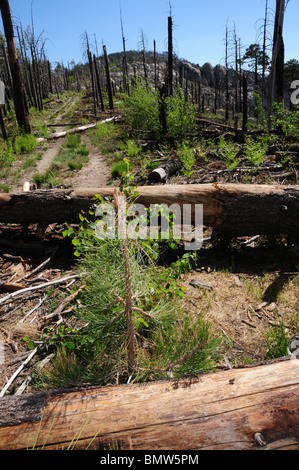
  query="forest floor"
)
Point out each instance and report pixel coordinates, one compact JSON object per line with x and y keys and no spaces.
{"x":248,"y":290}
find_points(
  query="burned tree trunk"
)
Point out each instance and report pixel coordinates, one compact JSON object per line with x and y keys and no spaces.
{"x":19,"y":96}
{"x":232,"y":210}
{"x":108,"y":79}
{"x":170,"y":57}
{"x":245,"y":103}
{"x":92,"y":83}
{"x":276,"y":90}
{"x":99,"y":83}
{"x":165,"y":171}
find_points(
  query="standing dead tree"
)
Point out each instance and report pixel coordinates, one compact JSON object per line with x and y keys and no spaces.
{"x":108,"y":79}
{"x":226,"y":75}
{"x":277,"y":66}
{"x":170,"y":57}
{"x":18,"y":90}
{"x":142,"y":42}
{"x":124,"y":62}
{"x":98,"y":79}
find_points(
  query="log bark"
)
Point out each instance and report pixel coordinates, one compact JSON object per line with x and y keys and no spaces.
{"x":231,"y":209}
{"x":167,"y":169}
{"x":238,"y":409}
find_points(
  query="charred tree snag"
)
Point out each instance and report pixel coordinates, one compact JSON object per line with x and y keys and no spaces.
{"x":232,"y":210}
{"x":18,"y":91}
{"x":239,"y":409}
{"x":92,"y":83}
{"x":108,"y":79}
{"x":276,"y":88}
{"x":99,"y":83}
{"x":170,"y":57}
{"x":2,"y":124}
{"x":245,"y":103}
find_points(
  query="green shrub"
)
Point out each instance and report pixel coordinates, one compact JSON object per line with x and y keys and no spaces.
{"x":133,"y":149}
{"x":186,"y":156}
{"x":255,"y":151}
{"x":25,"y":143}
{"x":120,"y":168}
{"x":142,"y":110}
{"x":287,"y":120}
{"x":180,"y":115}
{"x":6,"y":154}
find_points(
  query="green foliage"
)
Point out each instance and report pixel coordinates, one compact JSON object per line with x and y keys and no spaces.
{"x":186,"y":156}
{"x":180,"y":115}
{"x":228,"y":151}
{"x":121,"y":169}
{"x":142,"y":112}
{"x":287,"y":120}
{"x":255,"y":151}
{"x":168,"y":340}
{"x":49,"y":177}
{"x":109,"y":138}
{"x":260,"y":111}
{"x":4,"y":188}
{"x":25,"y":143}
{"x":133,"y":149}
{"x":6,"y":154}
{"x":142,"y":109}
{"x":277,"y":341}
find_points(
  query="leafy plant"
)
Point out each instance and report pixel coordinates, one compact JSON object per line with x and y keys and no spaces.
{"x":137,"y":325}
{"x":186,"y":156}
{"x":121,"y":169}
{"x":255,"y":151}
{"x":228,"y":151}
{"x":277,"y":341}
{"x":6,"y":154}
{"x":25,"y":143}
{"x":180,"y":115}
{"x":133,"y":149}
{"x":288,"y":121}
{"x":260,"y":111}
{"x":142,"y":109}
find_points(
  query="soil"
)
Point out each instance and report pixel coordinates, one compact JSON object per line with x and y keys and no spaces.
{"x":95,"y":174}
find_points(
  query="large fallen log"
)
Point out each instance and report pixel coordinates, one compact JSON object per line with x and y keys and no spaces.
{"x":231,"y":209}
{"x":238,"y":409}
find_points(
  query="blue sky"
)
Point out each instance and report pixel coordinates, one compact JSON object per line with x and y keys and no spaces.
{"x":199,"y":25}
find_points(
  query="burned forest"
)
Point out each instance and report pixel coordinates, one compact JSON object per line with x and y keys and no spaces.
{"x":149,"y":243}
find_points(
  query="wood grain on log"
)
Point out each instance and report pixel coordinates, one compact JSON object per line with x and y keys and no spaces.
{"x":236,"y":409}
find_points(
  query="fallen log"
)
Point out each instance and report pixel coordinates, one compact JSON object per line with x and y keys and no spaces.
{"x":231,"y":209}
{"x":165,"y":171}
{"x":237,"y":409}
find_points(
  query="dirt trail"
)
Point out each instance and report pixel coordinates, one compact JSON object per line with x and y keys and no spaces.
{"x":96,"y":173}
{"x":49,"y":156}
